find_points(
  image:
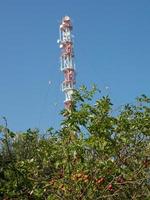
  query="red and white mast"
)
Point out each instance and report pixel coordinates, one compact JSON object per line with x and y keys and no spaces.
{"x":67,"y":60}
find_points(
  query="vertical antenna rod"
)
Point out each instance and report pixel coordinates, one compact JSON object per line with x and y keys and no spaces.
{"x":67,"y":60}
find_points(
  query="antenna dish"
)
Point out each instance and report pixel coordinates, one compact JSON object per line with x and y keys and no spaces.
{"x":60,"y":46}
{"x":66,"y":18}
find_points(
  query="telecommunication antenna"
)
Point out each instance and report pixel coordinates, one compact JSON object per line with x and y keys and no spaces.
{"x":67,"y":65}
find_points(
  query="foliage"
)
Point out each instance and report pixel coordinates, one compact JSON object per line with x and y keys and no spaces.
{"x":95,"y":155}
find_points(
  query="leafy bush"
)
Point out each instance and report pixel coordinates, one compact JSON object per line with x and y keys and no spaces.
{"x":95,"y":155}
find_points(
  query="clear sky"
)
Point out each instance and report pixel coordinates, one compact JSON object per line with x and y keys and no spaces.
{"x":112,"y":49}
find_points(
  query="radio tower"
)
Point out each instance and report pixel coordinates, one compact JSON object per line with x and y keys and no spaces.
{"x":67,"y":60}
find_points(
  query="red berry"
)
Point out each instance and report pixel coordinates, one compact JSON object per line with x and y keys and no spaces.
{"x":110,"y":188}
{"x":100,"y":180}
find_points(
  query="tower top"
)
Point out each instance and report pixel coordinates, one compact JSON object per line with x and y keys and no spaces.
{"x":66,"y":18}
{"x":66,"y":23}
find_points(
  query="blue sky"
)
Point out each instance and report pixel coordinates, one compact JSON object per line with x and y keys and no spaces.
{"x":112,"y":49}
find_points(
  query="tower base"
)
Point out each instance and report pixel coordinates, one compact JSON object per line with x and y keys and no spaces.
{"x":68,"y":105}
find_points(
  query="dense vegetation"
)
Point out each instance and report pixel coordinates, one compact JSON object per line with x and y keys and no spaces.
{"x":95,"y":155}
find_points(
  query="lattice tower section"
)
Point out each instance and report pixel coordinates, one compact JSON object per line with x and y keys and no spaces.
{"x":67,"y":60}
